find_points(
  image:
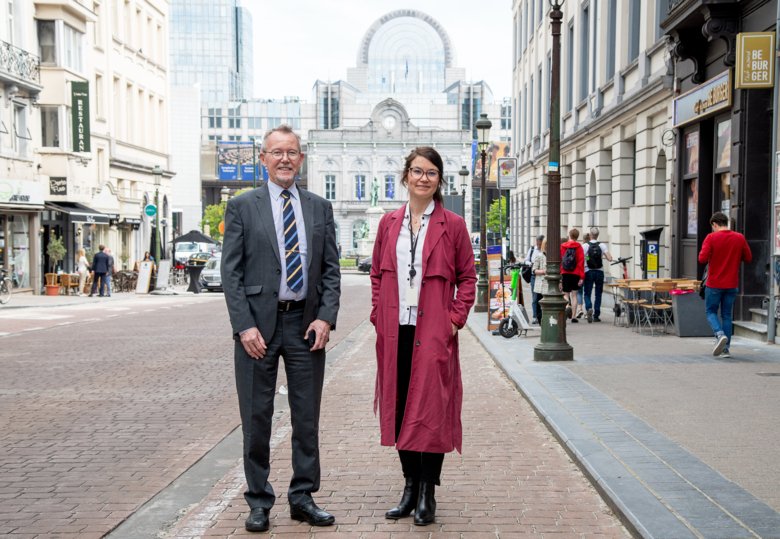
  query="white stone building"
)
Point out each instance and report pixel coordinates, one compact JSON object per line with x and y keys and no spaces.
{"x":21,"y":186}
{"x":97,"y":194}
{"x":616,"y":97}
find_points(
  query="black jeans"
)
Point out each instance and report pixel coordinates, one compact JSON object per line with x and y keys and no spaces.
{"x":417,"y":465}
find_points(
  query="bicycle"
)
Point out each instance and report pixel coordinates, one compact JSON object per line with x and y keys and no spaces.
{"x":5,"y":287}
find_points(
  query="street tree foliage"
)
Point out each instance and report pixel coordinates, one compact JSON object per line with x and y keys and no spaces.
{"x":214,"y":214}
{"x":496,"y":222}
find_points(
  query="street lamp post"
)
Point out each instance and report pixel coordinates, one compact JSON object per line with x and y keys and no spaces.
{"x":552,"y":345}
{"x":157,"y":173}
{"x":463,"y":173}
{"x":483,"y":126}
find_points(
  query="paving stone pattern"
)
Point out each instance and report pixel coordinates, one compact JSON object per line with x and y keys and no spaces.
{"x":513,"y":480}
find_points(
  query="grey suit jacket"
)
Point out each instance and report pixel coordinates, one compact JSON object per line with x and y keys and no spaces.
{"x":251,"y":264}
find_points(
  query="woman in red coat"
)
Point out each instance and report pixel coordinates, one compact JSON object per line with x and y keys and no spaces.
{"x":422,"y":287}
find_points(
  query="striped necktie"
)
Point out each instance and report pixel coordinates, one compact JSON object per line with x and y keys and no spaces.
{"x":292,"y":252}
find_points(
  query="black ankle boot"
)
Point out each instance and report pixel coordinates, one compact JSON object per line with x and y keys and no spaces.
{"x":426,"y":505}
{"x":408,"y":500}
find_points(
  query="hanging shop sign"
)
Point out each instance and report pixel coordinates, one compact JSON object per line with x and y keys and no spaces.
{"x":704,"y":100}
{"x":22,"y":193}
{"x":755,"y":60}
{"x":80,"y":115}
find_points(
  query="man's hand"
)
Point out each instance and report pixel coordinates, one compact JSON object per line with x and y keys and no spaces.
{"x":322,"y":329}
{"x":253,"y":343}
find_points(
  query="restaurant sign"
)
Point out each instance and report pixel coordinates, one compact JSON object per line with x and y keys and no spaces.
{"x":704,"y":100}
{"x":80,"y":115}
{"x":755,"y":60}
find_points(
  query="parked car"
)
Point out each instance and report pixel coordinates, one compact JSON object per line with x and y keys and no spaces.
{"x":210,"y":277}
{"x":200,"y":258}
{"x":185,"y":250}
{"x":365,"y":264}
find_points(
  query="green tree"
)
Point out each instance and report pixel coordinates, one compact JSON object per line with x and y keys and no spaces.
{"x":215,"y":213}
{"x":496,"y":222}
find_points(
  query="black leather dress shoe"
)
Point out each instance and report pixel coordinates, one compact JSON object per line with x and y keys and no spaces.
{"x":257,"y":521}
{"x":309,"y":512}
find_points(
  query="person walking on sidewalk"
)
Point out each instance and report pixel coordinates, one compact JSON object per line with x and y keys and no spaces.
{"x":539,"y":269}
{"x":99,"y":268}
{"x":82,"y":267}
{"x":423,"y":264}
{"x":533,"y":254}
{"x":572,"y":271}
{"x":280,"y":273}
{"x":724,"y":250}
{"x":595,"y":252}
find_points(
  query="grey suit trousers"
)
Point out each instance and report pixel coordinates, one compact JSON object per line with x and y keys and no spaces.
{"x":256,"y":385}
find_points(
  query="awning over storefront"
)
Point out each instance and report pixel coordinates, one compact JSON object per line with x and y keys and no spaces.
{"x":79,"y":213}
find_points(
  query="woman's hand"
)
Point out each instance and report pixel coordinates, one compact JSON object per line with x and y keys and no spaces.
{"x":454,"y":329}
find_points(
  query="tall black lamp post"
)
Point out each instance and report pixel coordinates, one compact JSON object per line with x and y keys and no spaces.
{"x":464,"y":174}
{"x":157,"y":173}
{"x":483,"y":126}
{"x":552,"y":345}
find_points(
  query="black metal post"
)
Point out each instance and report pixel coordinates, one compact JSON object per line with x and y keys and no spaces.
{"x":483,"y":126}
{"x":552,"y":345}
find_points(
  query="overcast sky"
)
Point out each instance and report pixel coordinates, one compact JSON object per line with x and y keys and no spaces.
{"x":299,"y":41}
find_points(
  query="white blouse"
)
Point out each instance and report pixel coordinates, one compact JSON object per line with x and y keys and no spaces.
{"x":407,"y":314}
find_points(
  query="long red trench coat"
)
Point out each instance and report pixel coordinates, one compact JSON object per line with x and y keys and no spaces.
{"x":432,"y":416}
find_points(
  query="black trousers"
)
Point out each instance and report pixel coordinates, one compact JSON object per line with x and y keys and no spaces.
{"x":256,"y":385}
{"x":417,"y":465}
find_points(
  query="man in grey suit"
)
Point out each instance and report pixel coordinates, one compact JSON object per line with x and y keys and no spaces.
{"x":280,"y":273}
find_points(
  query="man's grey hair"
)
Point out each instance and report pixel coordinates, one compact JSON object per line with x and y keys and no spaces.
{"x":594,"y":233}
{"x":282,"y":128}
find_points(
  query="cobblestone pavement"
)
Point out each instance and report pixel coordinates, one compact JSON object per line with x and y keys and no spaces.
{"x":513,"y":480}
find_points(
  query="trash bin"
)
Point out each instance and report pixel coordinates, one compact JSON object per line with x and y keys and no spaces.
{"x":690,"y":319}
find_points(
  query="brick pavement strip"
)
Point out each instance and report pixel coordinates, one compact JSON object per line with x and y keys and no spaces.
{"x":513,"y":480}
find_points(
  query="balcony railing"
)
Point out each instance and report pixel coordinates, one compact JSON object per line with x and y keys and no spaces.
{"x":19,"y":63}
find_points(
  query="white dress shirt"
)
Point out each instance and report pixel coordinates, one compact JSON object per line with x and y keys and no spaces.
{"x":407,"y":314}
{"x":277,"y":205}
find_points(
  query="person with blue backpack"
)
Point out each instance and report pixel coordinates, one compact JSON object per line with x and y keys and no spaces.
{"x":595,"y":253}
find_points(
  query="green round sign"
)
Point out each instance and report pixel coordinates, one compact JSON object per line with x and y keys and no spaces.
{"x":150,"y":210}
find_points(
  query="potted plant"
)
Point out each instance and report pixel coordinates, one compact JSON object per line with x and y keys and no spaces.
{"x":56,"y":251}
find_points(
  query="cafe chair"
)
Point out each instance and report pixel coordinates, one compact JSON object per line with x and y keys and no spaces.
{"x":659,"y":309}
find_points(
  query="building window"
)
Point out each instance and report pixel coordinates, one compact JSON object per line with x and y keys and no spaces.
{"x":47,"y":39}
{"x":539,"y":105}
{"x":634,"y":14}
{"x":360,"y":186}
{"x":723,"y":166}
{"x":449,"y":185}
{"x":330,"y":187}
{"x":531,"y":104}
{"x":234,"y":118}
{"x":50,"y":126}
{"x":21,"y":132}
{"x":389,"y":187}
{"x":72,"y":44}
{"x":584,"y":52}
{"x":611,"y":31}
{"x":570,"y":69}
{"x":215,"y":118}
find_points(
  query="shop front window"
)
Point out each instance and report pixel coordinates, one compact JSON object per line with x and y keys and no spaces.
{"x":15,"y":248}
{"x":723,"y":167}
{"x":691,"y":183}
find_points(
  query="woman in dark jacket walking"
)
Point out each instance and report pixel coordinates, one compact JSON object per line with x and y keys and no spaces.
{"x":422,"y":287}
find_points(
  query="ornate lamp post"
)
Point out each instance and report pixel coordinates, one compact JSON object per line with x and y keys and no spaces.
{"x":483,"y":126}
{"x":552,"y":345}
{"x":463,"y":173}
{"x":157,"y":173}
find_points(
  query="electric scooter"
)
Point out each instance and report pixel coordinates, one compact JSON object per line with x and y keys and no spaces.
{"x":517,"y":323}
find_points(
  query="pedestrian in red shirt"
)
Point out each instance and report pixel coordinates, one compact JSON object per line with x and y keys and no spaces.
{"x":572,"y":270}
{"x":724,"y":250}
